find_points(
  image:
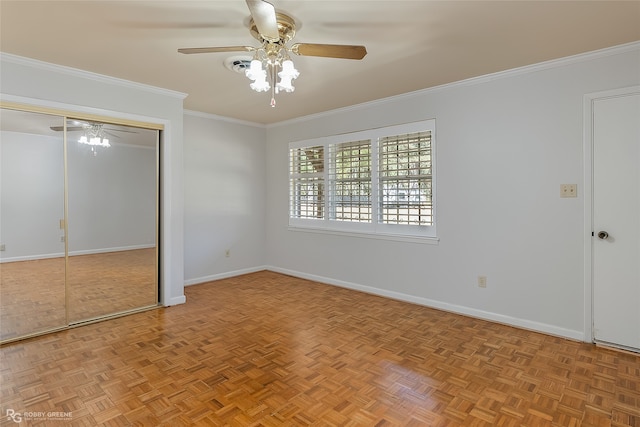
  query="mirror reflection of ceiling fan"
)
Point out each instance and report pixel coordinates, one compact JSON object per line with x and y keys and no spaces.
{"x":271,"y":60}
{"x":94,"y":128}
{"x":94,"y":134}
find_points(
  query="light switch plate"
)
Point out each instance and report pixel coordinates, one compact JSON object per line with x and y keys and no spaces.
{"x":569,"y":190}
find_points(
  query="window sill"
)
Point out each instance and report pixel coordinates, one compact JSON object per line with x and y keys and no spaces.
{"x":425,"y":240}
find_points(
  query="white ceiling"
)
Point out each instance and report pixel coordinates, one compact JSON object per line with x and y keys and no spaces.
{"x":411,"y":45}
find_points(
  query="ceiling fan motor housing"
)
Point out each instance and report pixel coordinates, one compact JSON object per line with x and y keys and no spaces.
{"x":286,"y":29}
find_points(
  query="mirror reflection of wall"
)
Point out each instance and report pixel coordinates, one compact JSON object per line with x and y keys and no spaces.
{"x":106,"y":245}
{"x":32,"y":268}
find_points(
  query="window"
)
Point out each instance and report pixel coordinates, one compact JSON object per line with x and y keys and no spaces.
{"x":350,"y":180}
{"x":306,"y":186}
{"x":378,"y":182}
{"x":405,"y":179}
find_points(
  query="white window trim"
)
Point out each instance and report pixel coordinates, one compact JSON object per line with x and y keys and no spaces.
{"x":374,"y":229}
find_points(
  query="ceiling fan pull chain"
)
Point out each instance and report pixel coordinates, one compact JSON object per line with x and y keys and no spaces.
{"x":273,"y":70}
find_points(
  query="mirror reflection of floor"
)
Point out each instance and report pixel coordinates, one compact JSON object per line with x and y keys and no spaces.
{"x":32,"y":296}
{"x":32,"y":293}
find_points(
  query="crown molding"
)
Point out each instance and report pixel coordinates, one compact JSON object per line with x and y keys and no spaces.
{"x":74,"y":72}
{"x":546,"y":65}
{"x":223,"y":119}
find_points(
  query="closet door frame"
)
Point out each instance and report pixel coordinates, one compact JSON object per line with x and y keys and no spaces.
{"x":112,"y":118}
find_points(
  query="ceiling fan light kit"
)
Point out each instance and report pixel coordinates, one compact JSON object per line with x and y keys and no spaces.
{"x":94,"y":136}
{"x":271,"y":60}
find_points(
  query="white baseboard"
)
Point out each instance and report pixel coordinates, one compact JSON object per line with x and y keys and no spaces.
{"x":73,"y":253}
{"x":116,"y":249}
{"x":175,"y":301}
{"x":32,"y":257}
{"x":225,"y":275}
{"x":458,"y":309}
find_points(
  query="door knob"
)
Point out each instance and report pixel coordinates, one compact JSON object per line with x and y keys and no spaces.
{"x":602,"y":235}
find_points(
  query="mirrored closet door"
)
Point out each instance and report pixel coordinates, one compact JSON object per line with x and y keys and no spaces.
{"x":112,"y":216}
{"x":32,"y":239}
{"x":79,"y":221}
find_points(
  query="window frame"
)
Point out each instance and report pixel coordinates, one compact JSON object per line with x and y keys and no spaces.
{"x":374,"y":229}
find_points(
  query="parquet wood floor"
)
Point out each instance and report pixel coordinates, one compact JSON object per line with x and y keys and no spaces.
{"x":111,"y":282}
{"x":266,"y":349}
{"x":32,"y":296}
{"x":32,"y":293}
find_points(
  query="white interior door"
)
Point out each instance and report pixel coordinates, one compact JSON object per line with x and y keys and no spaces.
{"x":616,"y":220}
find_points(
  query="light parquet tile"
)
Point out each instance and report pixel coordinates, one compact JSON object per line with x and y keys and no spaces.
{"x":266,"y":349}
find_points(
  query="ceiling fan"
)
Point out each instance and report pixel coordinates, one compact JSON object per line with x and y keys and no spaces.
{"x":94,"y":127}
{"x":274,"y":30}
{"x":94,"y":134}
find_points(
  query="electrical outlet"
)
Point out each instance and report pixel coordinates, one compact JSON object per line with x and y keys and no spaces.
{"x":568,"y":190}
{"x":482,"y":281}
{"x":62,"y":239}
{"x":2,"y":247}
{"x":227,"y":253}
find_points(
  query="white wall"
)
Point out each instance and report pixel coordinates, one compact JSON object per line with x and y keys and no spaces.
{"x":36,"y":83}
{"x":224,"y":197}
{"x":31,"y":196}
{"x":112,"y":198}
{"x":504,"y":145}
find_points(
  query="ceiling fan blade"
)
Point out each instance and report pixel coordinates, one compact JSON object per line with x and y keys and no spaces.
{"x":112,"y":134}
{"x":120,"y":130}
{"x":69,"y":128}
{"x":79,"y":128}
{"x":264,"y":16}
{"x":329,"y":50}
{"x":189,"y":50}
